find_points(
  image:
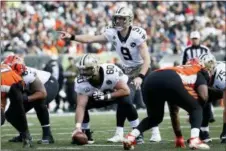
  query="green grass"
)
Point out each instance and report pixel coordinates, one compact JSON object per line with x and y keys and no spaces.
{"x":103,"y":126}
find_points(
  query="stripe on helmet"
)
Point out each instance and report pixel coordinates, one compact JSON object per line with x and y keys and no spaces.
{"x":202,"y":56}
{"x":120,"y":9}
{"x":82,"y":62}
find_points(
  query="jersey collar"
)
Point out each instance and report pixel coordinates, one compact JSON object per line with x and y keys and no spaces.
{"x":124,"y":39}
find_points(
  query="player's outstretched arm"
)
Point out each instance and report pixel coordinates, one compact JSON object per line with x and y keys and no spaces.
{"x":83,"y":38}
{"x":82,"y":101}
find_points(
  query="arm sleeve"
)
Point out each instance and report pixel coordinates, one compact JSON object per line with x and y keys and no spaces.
{"x":201,"y":79}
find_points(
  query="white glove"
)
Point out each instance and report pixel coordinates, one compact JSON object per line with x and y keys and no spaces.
{"x":100,"y":96}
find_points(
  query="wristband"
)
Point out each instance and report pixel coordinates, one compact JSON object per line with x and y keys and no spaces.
{"x":141,"y":76}
{"x":72,"y":37}
{"x":78,"y":125}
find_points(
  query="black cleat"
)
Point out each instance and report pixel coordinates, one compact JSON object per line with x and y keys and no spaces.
{"x":89,"y":135}
{"x":27,"y":140}
{"x":16,"y":139}
{"x":223,"y":138}
{"x":204,"y":136}
{"x":46,"y":140}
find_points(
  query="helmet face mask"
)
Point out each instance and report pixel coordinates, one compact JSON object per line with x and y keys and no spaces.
{"x":208,"y":61}
{"x":123,"y":18}
{"x":19,"y":68}
{"x":87,"y":66}
{"x":87,"y":72}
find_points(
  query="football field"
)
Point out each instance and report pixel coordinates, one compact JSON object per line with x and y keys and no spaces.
{"x":103,"y":125}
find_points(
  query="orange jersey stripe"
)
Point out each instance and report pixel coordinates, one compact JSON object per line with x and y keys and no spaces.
{"x":188,"y":75}
{"x":8,"y":78}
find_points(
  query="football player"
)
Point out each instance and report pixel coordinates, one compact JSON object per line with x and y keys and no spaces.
{"x":130,"y":44}
{"x":217,"y":91}
{"x":12,"y":87}
{"x":220,"y":83}
{"x":187,"y":88}
{"x":99,"y":85}
{"x":41,"y":89}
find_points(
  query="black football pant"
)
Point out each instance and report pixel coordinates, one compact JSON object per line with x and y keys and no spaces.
{"x":167,"y":85}
{"x":125,"y":109}
{"x":40,"y":106}
{"x":16,"y":113}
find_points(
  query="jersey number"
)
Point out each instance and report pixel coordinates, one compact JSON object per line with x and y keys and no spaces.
{"x":221,"y":75}
{"x":110,"y":69}
{"x":126,"y":54}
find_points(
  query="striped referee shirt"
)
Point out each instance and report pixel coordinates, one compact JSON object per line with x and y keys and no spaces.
{"x":191,"y":52}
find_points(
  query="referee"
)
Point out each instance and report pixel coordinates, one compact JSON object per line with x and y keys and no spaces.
{"x":194,"y":50}
{"x":190,"y":52}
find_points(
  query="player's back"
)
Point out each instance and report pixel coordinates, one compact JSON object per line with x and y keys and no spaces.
{"x":8,"y":78}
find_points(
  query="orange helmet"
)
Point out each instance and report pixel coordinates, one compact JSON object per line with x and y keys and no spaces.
{"x":193,"y":61}
{"x":11,"y":59}
{"x":19,"y":68}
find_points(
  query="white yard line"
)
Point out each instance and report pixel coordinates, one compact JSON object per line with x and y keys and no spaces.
{"x":108,"y":113}
{"x":58,"y":148}
{"x":127,"y":129}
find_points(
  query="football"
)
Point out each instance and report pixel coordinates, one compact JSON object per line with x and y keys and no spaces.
{"x":79,"y":138}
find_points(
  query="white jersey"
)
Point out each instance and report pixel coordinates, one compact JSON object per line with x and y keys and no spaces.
{"x":220,"y":76}
{"x":127,"y":48}
{"x":31,"y":74}
{"x":112,"y":74}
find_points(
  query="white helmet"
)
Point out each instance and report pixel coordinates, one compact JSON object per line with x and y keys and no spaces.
{"x":87,"y":66}
{"x":123,"y":12}
{"x":208,"y":61}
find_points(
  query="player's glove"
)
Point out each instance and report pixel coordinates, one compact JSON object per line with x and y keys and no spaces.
{"x":100,"y":96}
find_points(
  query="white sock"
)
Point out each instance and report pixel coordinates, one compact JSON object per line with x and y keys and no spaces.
{"x":46,"y":125}
{"x":120,"y":130}
{"x":135,"y":132}
{"x":85,"y":126}
{"x":134,"y":123}
{"x":195,"y":132}
{"x":155,"y":130}
{"x":205,"y":129}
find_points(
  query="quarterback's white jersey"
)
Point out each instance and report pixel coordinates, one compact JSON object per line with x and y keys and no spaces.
{"x":31,"y":74}
{"x":111,"y":75}
{"x":127,"y":48}
{"x":220,"y":76}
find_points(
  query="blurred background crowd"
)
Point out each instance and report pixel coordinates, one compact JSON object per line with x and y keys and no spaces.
{"x":30,"y":28}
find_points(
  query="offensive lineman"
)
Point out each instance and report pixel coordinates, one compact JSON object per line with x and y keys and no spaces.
{"x":130,"y":43}
{"x":99,"y":85}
